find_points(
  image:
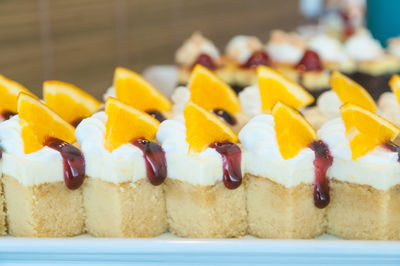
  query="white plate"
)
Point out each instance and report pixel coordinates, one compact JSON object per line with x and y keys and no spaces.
{"x":168,"y":249}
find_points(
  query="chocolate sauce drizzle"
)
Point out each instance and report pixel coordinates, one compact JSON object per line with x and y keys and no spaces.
{"x":206,"y":61}
{"x":7,"y":115}
{"x":73,"y":162}
{"x":154,"y":156}
{"x":323,"y":160}
{"x":231,"y":163}
{"x":256,"y":59}
{"x":76,"y":122}
{"x":156,"y":114}
{"x":226,"y":116}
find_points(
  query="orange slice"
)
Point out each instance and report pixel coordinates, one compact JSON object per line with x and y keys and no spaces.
{"x":133,"y":89}
{"x":293,"y":132}
{"x":204,"y":128}
{"x":365,"y":130}
{"x":210,"y":92}
{"x":68,"y":101}
{"x":394,"y":84}
{"x":38,"y":123}
{"x":275,"y":87}
{"x":350,"y":91}
{"x":9,"y":91}
{"x":125,"y":123}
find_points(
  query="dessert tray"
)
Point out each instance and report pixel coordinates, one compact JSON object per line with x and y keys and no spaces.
{"x":169,"y":249}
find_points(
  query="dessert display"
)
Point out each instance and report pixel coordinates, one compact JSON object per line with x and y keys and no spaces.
{"x":344,"y":90}
{"x":68,"y":101}
{"x":123,"y":193}
{"x":211,"y":93}
{"x":196,"y":50}
{"x":285,"y":171}
{"x":205,"y":194}
{"x":42,"y":172}
{"x":374,"y":65}
{"x":365,"y":190}
{"x":271,"y":88}
{"x":242,"y":56}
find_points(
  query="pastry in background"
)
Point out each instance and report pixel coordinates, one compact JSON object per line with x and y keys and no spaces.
{"x":364,"y":176}
{"x":196,"y":50}
{"x":42,"y":172}
{"x":285,"y":166}
{"x":123,"y":193}
{"x":205,"y":193}
{"x":394,"y":49}
{"x":374,"y":65}
{"x":242,"y":56}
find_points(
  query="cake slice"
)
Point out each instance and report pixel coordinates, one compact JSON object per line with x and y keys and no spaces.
{"x":365,"y":198}
{"x":42,"y":173}
{"x":287,"y":189}
{"x":123,"y":193}
{"x":205,"y":194}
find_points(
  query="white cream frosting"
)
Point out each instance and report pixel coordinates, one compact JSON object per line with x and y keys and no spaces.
{"x":204,"y":168}
{"x":394,"y":46}
{"x":379,"y":168}
{"x":330,"y":49}
{"x":180,"y":97}
{"x":123,"y":164}
{"x":42,"y":166}
{"x":329,"y":104}
{"x":250,"y":100}
{"x":285,"y":47}
{"x":110,"y":92}
{"x":187,"y":54}
{"x":363,"y":47}
{"x":389,"y":107}
{"x":263,"y":158}
{"x":241,"y":48}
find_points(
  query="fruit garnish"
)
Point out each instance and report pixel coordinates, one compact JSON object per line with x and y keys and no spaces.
{"x":125,"y":123}
{"x":9,"y":91}
{"x":39,"y":123}
{"x":365,"y":129}
{"x":350,"y":91}
{"x":133,"y":89}
{"x":204,"y":128}
{"x":275,"y":87}
{"x":310,"y":62}
{"x":293,"y":132}
{"x":68,"y":101}
{"x":210,"y":92}
{"x":394,"y":84}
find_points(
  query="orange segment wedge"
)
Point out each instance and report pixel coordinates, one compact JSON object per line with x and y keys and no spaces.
{"x":275,"y":87}
{"x":293,"y":132}
{"x":133,"y":89}
{"x":394,"y":84}
{"x":210,"y":92}
{"x":38,"y":123}
{"x":68,"y":101}
{"x":365,"y":130}
{"x":204,"y":128}
{"x":350,"y":91}
{"x":125,"y":123}
{"x":9,"y":91}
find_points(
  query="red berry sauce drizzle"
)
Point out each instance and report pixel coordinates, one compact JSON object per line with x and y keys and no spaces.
{"x":154,"y":156}
{"x":76,"y":122}
{"x":256,"y":59}
{"x":310,"y":62}
{"x":73,"y":161}
{"x":205,"y":60}
{"x":7,"y":115}
{"x":231,"y":163}
{"x":393,"y":147}
{"x":323,"y":160}
{"x":156,"y":114}
{"x":226,"y":116}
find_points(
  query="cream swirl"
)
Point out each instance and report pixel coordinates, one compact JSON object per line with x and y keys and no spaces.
{"x":379,"y":168}
{"x":241,"y":48}
{"x":123,"y":164}
{"x":263,"y":158}
{"x":329,"y":104}
{"x":250,"y":100}
{"x":394,"y":46}
{"x":196,"y":45}
{"x":362,"y":47}
{"x":285,"y":47}
{"x":330,"y":49}
{"x":389,"y":107}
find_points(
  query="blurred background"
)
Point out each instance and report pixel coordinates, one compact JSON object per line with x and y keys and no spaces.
{"x":81,"y":41}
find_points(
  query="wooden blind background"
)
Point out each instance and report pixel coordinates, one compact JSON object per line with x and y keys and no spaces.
{"x":81,"y":41}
